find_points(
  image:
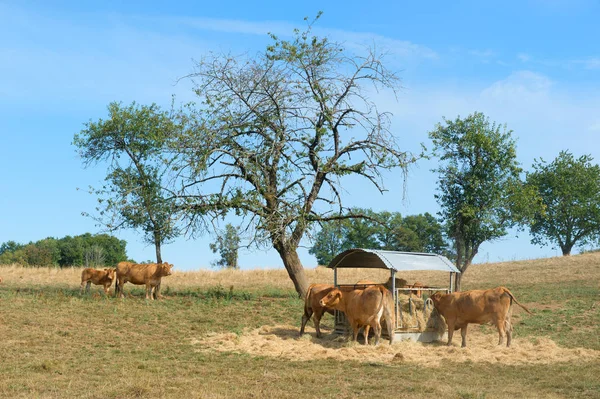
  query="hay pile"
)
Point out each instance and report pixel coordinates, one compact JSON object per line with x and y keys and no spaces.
{"x":415,"y":316}
{"x":283,"y":342}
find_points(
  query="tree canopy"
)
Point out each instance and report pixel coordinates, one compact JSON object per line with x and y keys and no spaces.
{"x":227,"y":245}
{"x":82,"y":250}
{"x":382,"y":230}
{"x":275,"y":135}
{"x":132,"y":141}
{"x":570,"y":190}
{"x":480,"y":191}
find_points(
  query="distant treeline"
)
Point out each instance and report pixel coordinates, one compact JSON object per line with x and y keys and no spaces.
{"x":82,"y":250}
{"x":381,"y":230}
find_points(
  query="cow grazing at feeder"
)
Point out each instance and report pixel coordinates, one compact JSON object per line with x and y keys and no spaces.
{"x":98,"y":277}
{"x":312,"y":307}
{"x":364,"y":308}
{"x":478,"y":307}
{"x":149,"y":275}
{"x":400,"y":283}
{"x":418,"y":284}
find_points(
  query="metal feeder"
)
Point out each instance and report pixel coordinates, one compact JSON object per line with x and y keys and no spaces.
{"x":395,"y":261}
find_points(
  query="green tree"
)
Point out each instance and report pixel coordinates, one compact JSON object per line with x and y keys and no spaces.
{"x":277,"y":134}
{"x":10,"y":246}
{"x":382,"y":230}
{"x":131,"y":141}
{"x":570,"y":190}
{"x":329,"y":241}
{"x":429,"y":234}
{"x":71,"y":250}
{"x":227,"y":245}
{"x":479,"y":188}
{"x":106,"y":248}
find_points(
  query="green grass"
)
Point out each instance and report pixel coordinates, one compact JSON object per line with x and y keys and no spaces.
{"x":56,"y":343}
{"x":568,"y":313}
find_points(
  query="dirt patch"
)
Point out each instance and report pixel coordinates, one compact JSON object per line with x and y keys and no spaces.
{"x":283,"y":342}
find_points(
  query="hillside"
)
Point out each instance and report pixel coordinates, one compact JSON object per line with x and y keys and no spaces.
{"x":584,"y":268}
{"x":210,"y":341}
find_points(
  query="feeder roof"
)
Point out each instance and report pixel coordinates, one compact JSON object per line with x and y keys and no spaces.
{"x":396,"y":260}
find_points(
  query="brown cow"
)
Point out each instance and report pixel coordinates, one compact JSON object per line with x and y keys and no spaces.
{"x":98,"y":277}
{"x":142,"y":274}
{"x":400,"y":283}
{"x":418,"y":293}
{"x":479,"y":307}
{"x":364,"y":307}
{"x":314,"y":294}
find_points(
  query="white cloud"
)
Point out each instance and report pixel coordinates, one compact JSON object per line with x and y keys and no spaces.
{"x":483,"y":53}
{"x":594,"y":127}
{"x":520,"y":83}
{"x":524,"y":57}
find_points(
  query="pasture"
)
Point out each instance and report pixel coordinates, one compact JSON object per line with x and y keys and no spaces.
{"x":225,"y":334}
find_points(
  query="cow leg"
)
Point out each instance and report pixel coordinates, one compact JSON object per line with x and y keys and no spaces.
{"x":122,"y":288}
{"x":388,"y":325}
{"x":366,"y":330}
{"x":500,"y":326}
{"x":81,"y":288}
{"x":317,"y":321}
{"x":354,"y":332}
{"x":305,"y":318}
{"x":508,"y":326}
{"x":106,"y":288}
{"x":87,"y":287}
{"x":463,"y":334}
{"x":149,"y":291}
{"x":450,"y":331}
{"x":157,"y":291}
{"x":377,"y":329}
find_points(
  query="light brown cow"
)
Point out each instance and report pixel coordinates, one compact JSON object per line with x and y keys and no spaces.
{"x":418,"y":284}
{"x":479,"y":307}
{"x":364,"y":307}
{"x":98,"y":277}
{"x":314,"y":294}
{"x":400,"y":283}
{"x":149,"y":274}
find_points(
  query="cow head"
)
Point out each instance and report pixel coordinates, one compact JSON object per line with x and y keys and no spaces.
{"x":331,"y":299}
{"x":110,"y":273}
{"x":166,"y":269}
{"x":437,"y":297}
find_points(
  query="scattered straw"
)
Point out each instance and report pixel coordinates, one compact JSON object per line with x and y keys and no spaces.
{"x":283,"y":342}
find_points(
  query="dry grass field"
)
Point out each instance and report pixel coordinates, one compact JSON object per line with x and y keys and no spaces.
{"x":233,"y":334}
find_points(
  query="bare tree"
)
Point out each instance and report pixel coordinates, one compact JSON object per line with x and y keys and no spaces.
{"x":276,"y":134}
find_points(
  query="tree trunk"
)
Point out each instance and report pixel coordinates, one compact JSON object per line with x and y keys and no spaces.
{"x":292,"y":264}
{"x":566,"y":249}
{"x":457,"y":281}
{"x":157,"y":246}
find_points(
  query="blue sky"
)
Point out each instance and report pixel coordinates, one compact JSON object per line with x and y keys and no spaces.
{"x":532,"y":64}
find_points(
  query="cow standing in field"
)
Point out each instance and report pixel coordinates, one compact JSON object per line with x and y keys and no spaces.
{"x":98,"y":277}
{"x":479,"y":307}
{"x":314,"y":294}
{"x":364,"y":307}
{"x":149,"y":275}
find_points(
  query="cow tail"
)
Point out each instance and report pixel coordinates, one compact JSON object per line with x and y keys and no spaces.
{"x":382,"y":289}
{"x":307,"y":298}
{"x":512,"y":297}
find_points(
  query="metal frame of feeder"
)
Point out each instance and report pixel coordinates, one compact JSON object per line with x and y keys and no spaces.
{"x":394,"y":261}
